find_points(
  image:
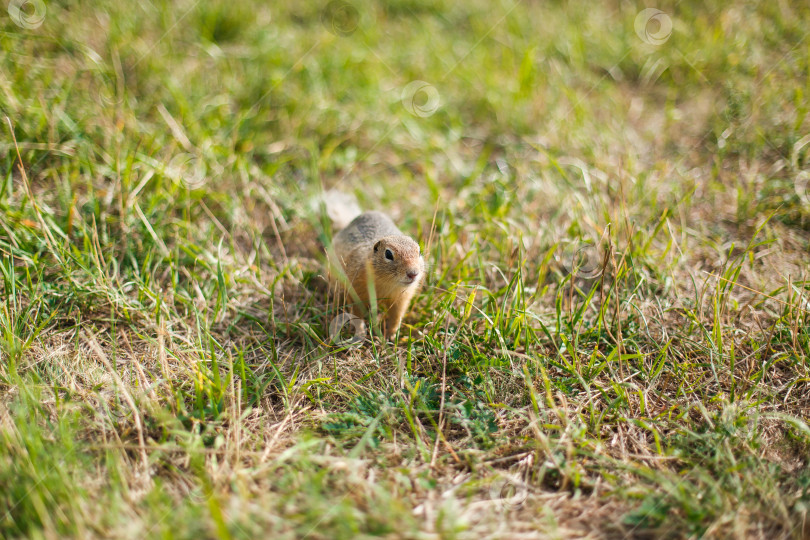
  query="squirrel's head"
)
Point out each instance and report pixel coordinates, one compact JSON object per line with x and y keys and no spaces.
{"x":398,"y":258}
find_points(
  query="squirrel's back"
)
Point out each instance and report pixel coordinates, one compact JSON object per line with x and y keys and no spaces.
{"x":364,"y":229}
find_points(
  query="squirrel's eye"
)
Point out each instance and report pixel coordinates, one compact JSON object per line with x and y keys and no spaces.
{"x":389,"y":254}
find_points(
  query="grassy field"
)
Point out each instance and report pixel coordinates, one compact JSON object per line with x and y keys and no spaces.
{"x":614,"y":203}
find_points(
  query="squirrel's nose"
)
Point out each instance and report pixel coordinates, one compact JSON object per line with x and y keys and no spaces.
{"x":412,"y":273}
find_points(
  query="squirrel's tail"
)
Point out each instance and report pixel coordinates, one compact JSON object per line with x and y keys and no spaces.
{"x":341,"y":207}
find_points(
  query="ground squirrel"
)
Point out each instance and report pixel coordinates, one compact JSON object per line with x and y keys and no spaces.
{"x":372,"y":254}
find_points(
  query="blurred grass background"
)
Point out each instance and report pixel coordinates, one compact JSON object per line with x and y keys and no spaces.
{"x":165,"y":363}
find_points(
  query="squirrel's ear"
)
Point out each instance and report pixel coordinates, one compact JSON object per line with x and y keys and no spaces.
{"x":377,"y":245}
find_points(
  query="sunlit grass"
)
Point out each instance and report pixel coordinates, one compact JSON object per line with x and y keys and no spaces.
{"x":613,"y":338}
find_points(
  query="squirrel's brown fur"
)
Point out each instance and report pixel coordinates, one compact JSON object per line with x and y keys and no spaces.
{"x":371,"y":255}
